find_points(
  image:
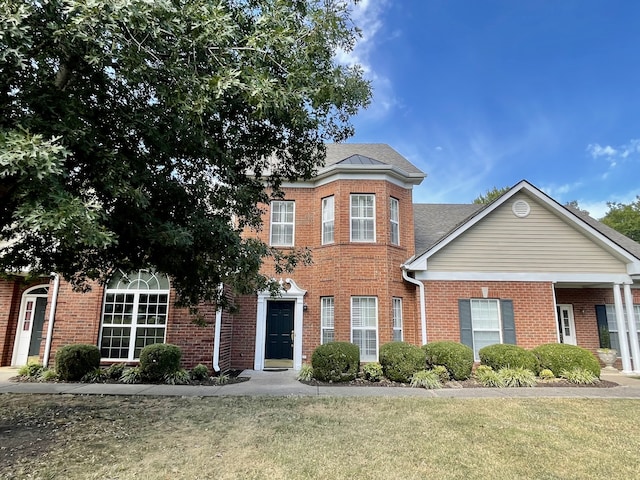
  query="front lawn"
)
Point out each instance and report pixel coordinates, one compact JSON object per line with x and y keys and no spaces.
{"x":93,"y":437}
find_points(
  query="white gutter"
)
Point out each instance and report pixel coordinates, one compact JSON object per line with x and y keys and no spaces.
{"x":52,"y":316}
{"x":423,"y":313}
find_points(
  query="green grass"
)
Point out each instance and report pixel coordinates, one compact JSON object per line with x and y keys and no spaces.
{"x":92,"y":437}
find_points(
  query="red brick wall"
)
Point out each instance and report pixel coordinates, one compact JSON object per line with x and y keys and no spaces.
{"x":341,"y":269}
{"x":533,"y":305}
{"x":9,"y":305}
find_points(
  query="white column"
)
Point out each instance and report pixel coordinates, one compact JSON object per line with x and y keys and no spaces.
{"x":623,"y":339}
{"x":633,"y":330}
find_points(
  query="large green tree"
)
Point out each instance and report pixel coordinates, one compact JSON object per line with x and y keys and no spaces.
{"x":625,"y":218}
{"x":139,"y":133}
{"x":491,"y":195}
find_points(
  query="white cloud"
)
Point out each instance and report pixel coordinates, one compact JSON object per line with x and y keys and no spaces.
{"x":367,"y":16}
{"x":596,"y":150}
{"x":557,"y":192}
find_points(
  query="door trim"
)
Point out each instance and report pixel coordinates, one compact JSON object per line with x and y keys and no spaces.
{"x":26,"y":296}
{"x":572,"y":323}
{"x":289,"y":291}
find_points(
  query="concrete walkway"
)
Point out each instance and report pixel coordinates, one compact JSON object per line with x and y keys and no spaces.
{"x":284,"y":383}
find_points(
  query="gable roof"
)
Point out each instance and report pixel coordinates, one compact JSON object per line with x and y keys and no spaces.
{"x":436,"y":226}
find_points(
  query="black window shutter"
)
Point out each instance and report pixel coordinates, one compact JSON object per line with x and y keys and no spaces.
{"x":508,"y":322}
{"x":603,"y":326}
{"x":466,"y":330}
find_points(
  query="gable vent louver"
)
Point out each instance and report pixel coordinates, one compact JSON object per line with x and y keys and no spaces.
{"x":521,"y":208}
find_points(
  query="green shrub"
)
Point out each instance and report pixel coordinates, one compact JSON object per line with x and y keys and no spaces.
{"x":442,"y":373}
{"x":158,"y":360}
{"x":487,"y":377}
{"x":455,"y":357}
{"x":74,"y":361}
{"x":579,"y":376}
{"x":546,"y":374}
{"x":177,"y":377}
{"x":559,"y":356}
{"x":48,"y":375}
{"x":132,"y":375}
{"x":97,"y":375}
{"x":372,"y":371}
{"x":30,"y":370}
{"x":306,"y":373}
{"x":400,"y":360}
{"x":200,"y":372}
{"x":115,"y":371}
{"x":426,"y":379}
{"x":502,"y":355}
{"x":517,"y":377}
{"x":336,"y":362}
{"x":221,"y":379}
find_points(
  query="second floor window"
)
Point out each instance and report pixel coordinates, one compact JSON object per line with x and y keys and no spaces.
{"x":327,"y":220}
{"x":394,"y":216}
{"x":282,"y":223}
{"x":363,"y":215}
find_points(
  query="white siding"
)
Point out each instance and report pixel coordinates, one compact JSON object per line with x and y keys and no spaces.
{"x":540,"y":242}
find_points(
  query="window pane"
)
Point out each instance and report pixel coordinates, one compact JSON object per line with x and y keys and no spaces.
{"x":327,"y":335}
{"x":394,"y":219}
{"x":362,"y":218}
{"x":482,"y":339}
{"x":327,"y":219}
{"x":485,"y":314}
{"x":282,"y":223}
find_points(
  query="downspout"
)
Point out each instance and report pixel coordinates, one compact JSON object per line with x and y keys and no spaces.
{"x":423,"y":313}
{"x":216,"y":341}
{"x":52,"y":316}
{"x":216,"y":335}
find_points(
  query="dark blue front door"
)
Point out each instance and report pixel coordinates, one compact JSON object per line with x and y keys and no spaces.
{"x":279,"y":330}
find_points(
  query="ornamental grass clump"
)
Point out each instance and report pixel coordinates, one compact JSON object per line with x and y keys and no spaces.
{"x":400,"y":360}
{"x":517,"y":377}
{"x":487,"y":377}
{"x":502,"y":355}
{"x":74,"y":361}
{"x":559,"y":357}
{"x":455,"y":357}
{"x":336,"y":362}
{"x":579,"y":376}
{"x":428,"y":379}
{"x":306,"y":373}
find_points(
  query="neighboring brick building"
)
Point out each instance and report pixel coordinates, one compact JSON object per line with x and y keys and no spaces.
{"x":523,"y":269}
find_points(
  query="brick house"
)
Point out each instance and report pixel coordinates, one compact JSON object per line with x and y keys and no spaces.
{"x":523,"y":269}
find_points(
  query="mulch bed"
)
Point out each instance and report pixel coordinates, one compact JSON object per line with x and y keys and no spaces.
{"x":470,"y":383}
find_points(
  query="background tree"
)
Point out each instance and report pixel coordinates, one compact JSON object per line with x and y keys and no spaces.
{"x":491,"y":195}
{"x":574,"y":205}
{"x":625,"y":218}
{"x":137,"y":133}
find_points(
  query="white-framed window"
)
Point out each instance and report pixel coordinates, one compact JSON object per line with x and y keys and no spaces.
{"x":363,"y":218}
{"x":327,"y":323}
{"x":612,"y":323}
{"x":134,"y":314}
{"x":328,"y":215}
{"x":282,"y":223}
{"x":394,"y":218}
{"x":396,"y":305}
{"x":485,"y":321}
{"x":364,"y":327}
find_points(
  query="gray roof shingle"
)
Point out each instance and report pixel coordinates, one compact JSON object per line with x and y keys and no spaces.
{"x":337,"y":152}
{"x":434,"y":221}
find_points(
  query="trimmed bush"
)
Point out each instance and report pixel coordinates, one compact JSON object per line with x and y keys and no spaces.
{"x":455,"y":357}
{"x":200,"y":372}
{"x":336,"y":362}
{"x":158,"y":360}
{"x":558,"y":357}
{"x":74,"y":361}
{"x":372,"y":371}
{"x":502,"y":355}
{"x":400,"y":360}
{"x":546,"y":374}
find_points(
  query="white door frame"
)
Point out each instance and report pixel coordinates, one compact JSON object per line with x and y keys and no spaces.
{"x":23,"y":337}
{"x":293,"y":292}
{"x":567,"y":324}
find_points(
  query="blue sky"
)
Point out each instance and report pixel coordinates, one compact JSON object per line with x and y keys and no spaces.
{"x":484,"y":93}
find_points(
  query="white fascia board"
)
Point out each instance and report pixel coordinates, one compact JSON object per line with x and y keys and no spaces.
{"x":359,"y":175}
{"x":606,"y":278}
{"x":523,"y":185}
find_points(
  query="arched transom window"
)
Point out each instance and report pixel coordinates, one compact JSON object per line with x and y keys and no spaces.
{"x":134,"y":314}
